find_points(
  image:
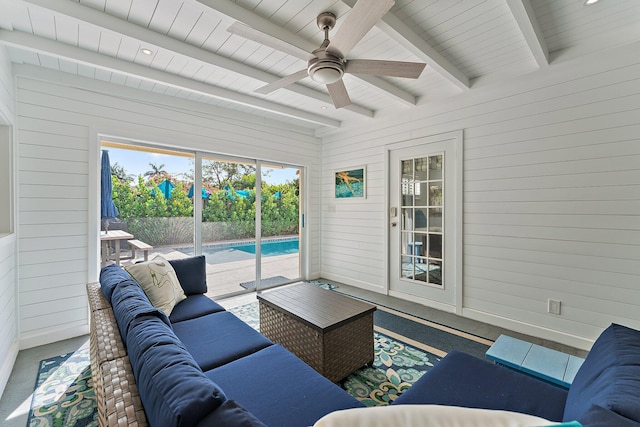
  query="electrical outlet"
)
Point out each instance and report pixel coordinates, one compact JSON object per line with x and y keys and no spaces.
{"x":553,"y":306}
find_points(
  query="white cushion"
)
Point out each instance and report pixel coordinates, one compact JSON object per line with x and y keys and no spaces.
{"x":428,"y":416}
{"x":158,"y":280}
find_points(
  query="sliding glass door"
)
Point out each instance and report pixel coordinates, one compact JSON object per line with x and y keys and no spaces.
{"x":228,"y":226}
{"x":242,"y":215}
{"x":279,"y":225}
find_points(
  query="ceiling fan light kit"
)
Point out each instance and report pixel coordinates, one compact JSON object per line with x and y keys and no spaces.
{"x":325,"y":72}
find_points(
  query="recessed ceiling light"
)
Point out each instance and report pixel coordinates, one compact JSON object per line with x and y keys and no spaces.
{"x":324,"y":107}
{"x":590,"y":2}
{"x":146,"y":51}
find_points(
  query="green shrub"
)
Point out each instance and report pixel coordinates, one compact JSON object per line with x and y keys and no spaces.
{"x":226,"y":215}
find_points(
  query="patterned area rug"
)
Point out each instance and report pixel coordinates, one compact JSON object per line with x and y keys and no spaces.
{"x":64,"y":393}
{"x":396,"y":365}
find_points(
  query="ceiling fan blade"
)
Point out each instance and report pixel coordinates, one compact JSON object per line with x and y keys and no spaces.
{"x":410,"y":70}
{"x":285,"y":81}
{"x":242,"y":30}
{"x":364,"y":15}
{"x":338,"y":93}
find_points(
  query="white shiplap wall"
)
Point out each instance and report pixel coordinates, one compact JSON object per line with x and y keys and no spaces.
{"x":8,"y":312}
{"x":56,"y":127}
{"x":551,"y":196}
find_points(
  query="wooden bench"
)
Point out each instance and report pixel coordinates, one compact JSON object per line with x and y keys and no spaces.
{"x":544,"y":363}
{"x":137,"y":244}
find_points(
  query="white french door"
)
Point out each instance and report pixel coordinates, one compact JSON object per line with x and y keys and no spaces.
{"x":425,"y":220}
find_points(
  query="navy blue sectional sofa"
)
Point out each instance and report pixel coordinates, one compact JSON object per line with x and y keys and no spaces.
{"x":604,"y":393}
{"x":204,"y":366}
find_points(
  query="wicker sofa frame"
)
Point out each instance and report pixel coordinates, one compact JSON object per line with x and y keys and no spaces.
{"x":115,"y":387}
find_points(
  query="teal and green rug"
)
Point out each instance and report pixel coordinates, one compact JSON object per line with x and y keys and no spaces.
{"x":64,"y":396}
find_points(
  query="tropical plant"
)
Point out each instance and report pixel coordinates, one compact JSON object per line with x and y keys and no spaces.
{"x":119,"y":172}
{"x":156,"y":171}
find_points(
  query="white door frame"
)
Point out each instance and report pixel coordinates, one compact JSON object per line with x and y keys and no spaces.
{"x":457,"y":136}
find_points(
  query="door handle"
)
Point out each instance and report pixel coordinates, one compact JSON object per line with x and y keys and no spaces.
{"x":394,"y":224}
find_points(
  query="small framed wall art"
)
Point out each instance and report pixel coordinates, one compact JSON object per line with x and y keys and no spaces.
{"x":351,"y":183}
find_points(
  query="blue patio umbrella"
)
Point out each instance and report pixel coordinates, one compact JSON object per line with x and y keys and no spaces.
{"x":166,"y":187}
{"x":108,"y":209}
{"x":205,"y":193}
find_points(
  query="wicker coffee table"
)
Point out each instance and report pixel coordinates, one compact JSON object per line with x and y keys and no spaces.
{"x":331,"y":332}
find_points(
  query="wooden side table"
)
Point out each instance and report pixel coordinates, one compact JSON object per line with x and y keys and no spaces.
{"x":331,"y":332}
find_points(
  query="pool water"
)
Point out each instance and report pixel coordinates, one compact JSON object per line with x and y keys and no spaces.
{"x":219,"y":254}
{"x":269,"y":248}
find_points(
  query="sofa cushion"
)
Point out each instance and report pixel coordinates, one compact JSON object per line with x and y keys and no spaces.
{"x":608,"y":382}
{"x":191,"y":273}
{"x":110,"y":276}
{"x":231,"y":414}
{"x":129,"y":302}
{"x":173,"y":389}
{"x":194,"y":306}
{"x":280,"y":389}
{"x":218,"y":338}
{"x":461,"y":379}
{"x":159,"y":281}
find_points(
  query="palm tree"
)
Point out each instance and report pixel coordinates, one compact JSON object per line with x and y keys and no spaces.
{"x":120,"y":173}
{"x":155,"y":171}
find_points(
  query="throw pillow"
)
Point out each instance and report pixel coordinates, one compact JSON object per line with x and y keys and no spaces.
{"x":191,"y":273}
{"x":159,"y":282}
{"x":428,"y":416}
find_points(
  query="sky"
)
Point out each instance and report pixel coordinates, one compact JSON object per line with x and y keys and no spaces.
{"x":137,"y":163}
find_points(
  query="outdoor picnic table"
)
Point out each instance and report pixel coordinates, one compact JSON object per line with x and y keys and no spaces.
{"x":116,"y":236}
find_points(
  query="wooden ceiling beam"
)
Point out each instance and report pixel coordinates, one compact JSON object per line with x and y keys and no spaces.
{"x":415,"y":44}
{"x":528,"y":23}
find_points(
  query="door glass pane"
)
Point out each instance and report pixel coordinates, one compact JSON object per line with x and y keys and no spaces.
{"x":435,"y":167}
{"x":435,"y":193}
{"x":407,"y":170}
{"x":407,"y":199}
{"x":407,"y":219}
{"x":280,"y":228}
{"x":421,"y":193}
{"x":421,"y":219}
{"x":435,"y":272}
{"x":421,"y":169}
{"x":228,"y":225}
{"x":435,"y":219}
{"x":421,"y":224}
{"x":435,"y":245}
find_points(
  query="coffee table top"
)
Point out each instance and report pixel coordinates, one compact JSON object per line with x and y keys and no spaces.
{"x":318,"y":308}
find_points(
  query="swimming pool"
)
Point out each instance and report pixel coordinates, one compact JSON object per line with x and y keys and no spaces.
{"x":242,"y":251}
{"x":269,"y":247}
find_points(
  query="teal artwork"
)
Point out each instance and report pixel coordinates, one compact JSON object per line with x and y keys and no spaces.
{"x":350,"y":183}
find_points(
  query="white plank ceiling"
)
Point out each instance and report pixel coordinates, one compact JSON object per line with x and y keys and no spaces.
{"x":194,"y":57}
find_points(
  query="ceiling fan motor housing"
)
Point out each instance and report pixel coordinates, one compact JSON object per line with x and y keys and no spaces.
{"x":325,"y":68}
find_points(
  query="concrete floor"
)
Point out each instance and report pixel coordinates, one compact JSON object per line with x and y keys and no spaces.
{"x":16,"y":399}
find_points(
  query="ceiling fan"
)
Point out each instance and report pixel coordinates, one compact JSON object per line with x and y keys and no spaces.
{"x":327,"y":64}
